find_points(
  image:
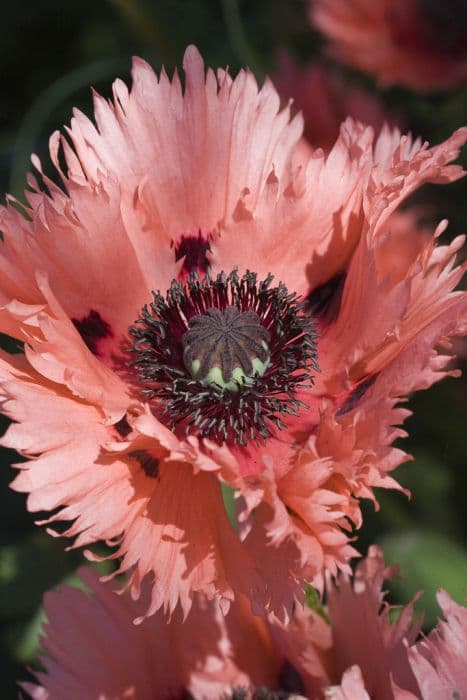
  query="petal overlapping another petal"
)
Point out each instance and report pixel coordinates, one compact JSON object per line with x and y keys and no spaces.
{"x":326,"y":205}
{"x":172,"y":522}
{"x":366,"y":340}
{"x":156,"y":660}
{"x":183,"y":538}
{"x":351,"y":651}
{"x":82,"y":243}
{"x":187,"y":179}
{"x":320,"y":206}
{"x":380,"y":649}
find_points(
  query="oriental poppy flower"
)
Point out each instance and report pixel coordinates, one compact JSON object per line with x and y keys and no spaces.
{"x":175,"y":298}
{"x":351,"y":650}
{"x":421,"y":44}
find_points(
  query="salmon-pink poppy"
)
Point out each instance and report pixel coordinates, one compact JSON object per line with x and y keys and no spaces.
{"x":351,"y":651}
{"x":174,"y":297}
{"x":420,"y":44}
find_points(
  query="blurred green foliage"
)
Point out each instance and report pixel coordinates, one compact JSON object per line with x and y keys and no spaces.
{"x":50,"y":53}
{"x":427,"y":561}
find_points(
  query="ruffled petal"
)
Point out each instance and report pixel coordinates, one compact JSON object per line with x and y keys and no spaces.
{"x":158,"y":139}
{"x":141,"y":663}
{"x":362,"y":633}
{"x":363,"y":341}
{"x":439,"y":660}
{"x":325,"y":205}
{"x":81,"y":240}
{"x":55,"y":349}
{"x":351,"y":688}
{"x":182,"y":536}
{"x":319,"y":206}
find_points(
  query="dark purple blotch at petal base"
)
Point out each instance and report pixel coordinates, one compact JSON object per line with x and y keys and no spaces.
{"x":194,"y":249}
{"x":324,"y":301}
{"x":147,"y":461}
{"x":92,"y":328}
{"x":122,"y":427}
{"x":356,"y":394}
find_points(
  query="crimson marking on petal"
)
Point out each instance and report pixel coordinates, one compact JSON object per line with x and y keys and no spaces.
{"x":324,"y":301}
{"x":290,"y":680}
{"x":123,"y":428}
{"x":92,"y":328}
{"x":355,"y":395}
{"x":194,"y":249}
{"x":147,"y":462}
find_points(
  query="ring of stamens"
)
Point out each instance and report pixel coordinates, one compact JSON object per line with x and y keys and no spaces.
{"x":225,"y":357}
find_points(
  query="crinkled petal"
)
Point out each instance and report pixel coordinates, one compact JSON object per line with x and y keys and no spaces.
{"x":363,"y":341}
{"x":81,"y":241}
{"x":95,"y":651}
{"x":362,"y":633}
{"x":320,"y":208}
{"x":439,"y":660}
{"x":182,"y":536}
{"x":159,"y":140}
{"x":351,"y":688}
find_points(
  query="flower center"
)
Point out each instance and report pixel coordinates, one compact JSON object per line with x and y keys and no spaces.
{"x":227,"y":348}
{"x":225,"y":357}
